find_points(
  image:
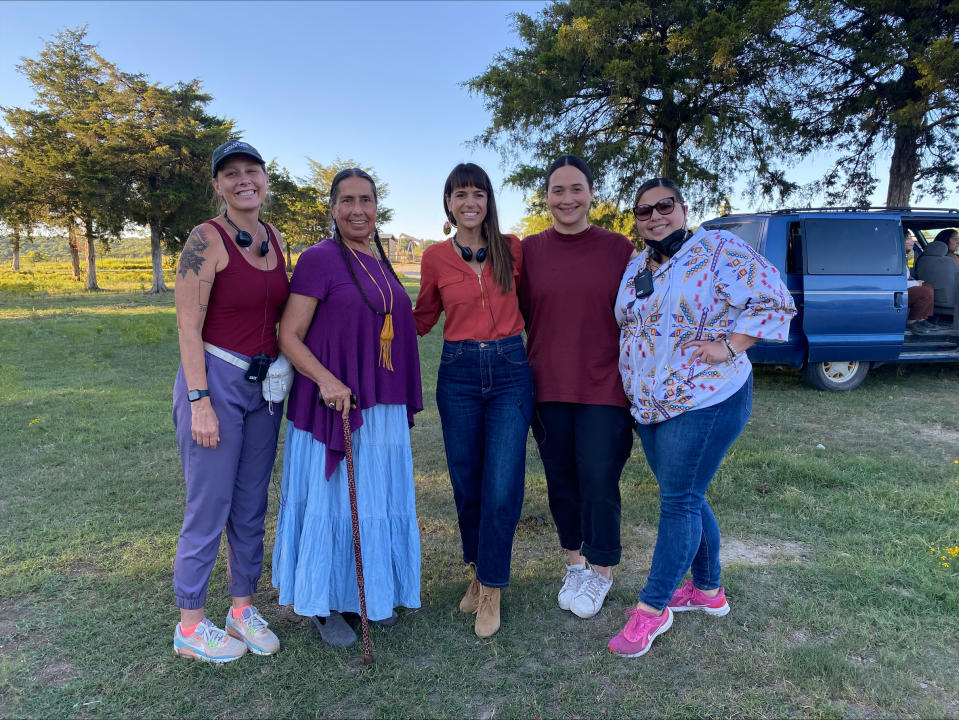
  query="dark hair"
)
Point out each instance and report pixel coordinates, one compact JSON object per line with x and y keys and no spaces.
{"x":501,"y":255}
{"x":659,"y":182}
{"x":944,"y":235}
{"x":334,"y":193}
{"x":564,"y":160}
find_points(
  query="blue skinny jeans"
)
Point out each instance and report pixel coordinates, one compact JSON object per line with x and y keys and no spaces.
{"x":484,"y":393}
{"x":684,"y":454}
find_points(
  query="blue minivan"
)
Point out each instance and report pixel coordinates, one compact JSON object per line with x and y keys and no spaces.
{"x":846,"y":269}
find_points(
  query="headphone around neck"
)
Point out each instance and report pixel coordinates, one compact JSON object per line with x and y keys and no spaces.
{"x":244,"y":239}
{"x":467,"y":253}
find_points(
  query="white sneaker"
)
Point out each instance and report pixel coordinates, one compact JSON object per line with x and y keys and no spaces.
{"x":575,"y":574}
{"x":589,"y":600}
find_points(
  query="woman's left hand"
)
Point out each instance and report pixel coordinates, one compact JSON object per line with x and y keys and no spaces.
{"x":708,"y":351}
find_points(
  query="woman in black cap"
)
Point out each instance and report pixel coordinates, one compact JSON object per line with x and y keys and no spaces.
{"x":231,"y":287}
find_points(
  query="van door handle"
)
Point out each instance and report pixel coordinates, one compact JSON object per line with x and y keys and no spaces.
{"x":898,"y":299}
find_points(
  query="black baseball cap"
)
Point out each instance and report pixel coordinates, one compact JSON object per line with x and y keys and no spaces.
{"x":230,"y":148}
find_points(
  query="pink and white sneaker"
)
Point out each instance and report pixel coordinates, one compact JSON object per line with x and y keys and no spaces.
{"x":641,"y":629}
{"x":689,"y":598}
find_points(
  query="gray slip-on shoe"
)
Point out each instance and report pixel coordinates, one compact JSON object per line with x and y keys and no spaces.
{"x":334,"y":630}
{"x":355,"y":621}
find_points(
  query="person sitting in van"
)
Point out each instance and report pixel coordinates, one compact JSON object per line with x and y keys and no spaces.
{"x":940,"y":274}
{"x":949,"y":238}
{"x":912,"y":255}
{"x":921,"y":296}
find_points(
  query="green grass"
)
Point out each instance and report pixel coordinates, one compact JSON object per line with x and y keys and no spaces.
{"x":839,"y":607}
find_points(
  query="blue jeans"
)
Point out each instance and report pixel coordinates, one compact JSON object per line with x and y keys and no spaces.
{"x":684,"y":454}
{"x":484,"y":393}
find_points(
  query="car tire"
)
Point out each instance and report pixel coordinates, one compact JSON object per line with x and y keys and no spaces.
{"x":835,"y":376}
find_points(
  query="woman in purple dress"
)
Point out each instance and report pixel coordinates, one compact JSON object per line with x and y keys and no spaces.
{"x":348,"y":330}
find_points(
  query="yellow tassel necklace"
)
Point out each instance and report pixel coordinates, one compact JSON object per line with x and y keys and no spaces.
{"x":386,"y":334}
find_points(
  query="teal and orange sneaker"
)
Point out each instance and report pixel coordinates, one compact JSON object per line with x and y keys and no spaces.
{"x":207,"y":643}
{"x":253,"y":630}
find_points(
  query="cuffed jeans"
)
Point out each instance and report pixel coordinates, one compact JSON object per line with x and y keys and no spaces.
{"x":684,"y":454}
{"x":225,"y":486}
{"x":584,"y":449}
{"x":484,"y":393}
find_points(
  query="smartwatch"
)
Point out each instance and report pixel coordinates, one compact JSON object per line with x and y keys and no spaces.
{"x":195,"y":395}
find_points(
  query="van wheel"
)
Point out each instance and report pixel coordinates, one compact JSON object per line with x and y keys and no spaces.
{"x":835,"y":376}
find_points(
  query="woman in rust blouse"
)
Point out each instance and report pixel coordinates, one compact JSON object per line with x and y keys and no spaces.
{"x":484,"y":390}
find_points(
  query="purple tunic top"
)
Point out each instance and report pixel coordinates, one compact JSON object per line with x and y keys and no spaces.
{"x":345,"y":337}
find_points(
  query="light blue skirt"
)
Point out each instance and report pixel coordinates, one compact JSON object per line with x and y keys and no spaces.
{"x":313,"y":563}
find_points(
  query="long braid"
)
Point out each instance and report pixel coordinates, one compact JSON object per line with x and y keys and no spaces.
{"x":386,"y":259}
{"x":349,"y":266}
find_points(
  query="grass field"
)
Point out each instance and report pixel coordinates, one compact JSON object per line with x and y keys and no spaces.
{"x":835,"y":556}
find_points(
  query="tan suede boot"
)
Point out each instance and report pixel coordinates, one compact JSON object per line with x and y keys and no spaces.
{"x":487,"y":614}
{"x":471,"y":599}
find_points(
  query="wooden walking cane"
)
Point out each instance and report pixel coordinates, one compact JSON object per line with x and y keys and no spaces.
{"x":357,"y":551}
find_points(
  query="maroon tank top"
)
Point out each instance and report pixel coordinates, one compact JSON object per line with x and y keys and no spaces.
{"x":246,"y":303}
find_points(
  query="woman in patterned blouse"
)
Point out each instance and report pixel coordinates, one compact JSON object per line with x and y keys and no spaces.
{"x":688,"y":308}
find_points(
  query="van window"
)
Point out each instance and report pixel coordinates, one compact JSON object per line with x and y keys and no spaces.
{"x":866,"y":246}
{"x":794,"y":250}
{"x":748,"y":231}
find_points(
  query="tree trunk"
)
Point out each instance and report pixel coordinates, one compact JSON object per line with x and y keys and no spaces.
{"x":91,"y":257}
{"x":289,"y":257}
{"x":903,"y":166}
{"x":156,"y":254}
{"x":74,"y":248}
{"x":669,"y":165}
{"x":15,"y":245}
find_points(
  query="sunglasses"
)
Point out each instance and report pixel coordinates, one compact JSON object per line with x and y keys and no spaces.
{"x":663,"y":207}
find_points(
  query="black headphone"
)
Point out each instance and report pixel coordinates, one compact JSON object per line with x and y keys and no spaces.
{"x":670,"y":244}
{"x":244,"y":239}
{"x":467,"y":253}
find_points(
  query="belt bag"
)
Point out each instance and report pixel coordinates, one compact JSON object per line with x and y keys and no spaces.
{"x":279,"y":378}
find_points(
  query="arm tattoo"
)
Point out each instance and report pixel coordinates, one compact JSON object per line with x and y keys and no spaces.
{"x":192,"y":256}
{"x":205,"y":289}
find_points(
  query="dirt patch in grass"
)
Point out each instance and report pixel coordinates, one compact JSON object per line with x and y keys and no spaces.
{"x":83,"y":568}
{"x":58,"y":673}
{"x":734,"y":551}
{"x":939,"y":434}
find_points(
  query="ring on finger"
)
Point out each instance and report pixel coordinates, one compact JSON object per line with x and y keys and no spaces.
{"x":332,"y":406}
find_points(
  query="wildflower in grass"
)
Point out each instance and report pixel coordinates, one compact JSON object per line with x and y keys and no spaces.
{"x":33,"y":422}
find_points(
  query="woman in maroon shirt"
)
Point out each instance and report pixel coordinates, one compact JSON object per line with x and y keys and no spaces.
{"x":231,"y":286}
{"x":484,"y":390}
{"x":570,"y":279}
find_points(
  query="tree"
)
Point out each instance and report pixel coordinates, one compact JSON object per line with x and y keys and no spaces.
{"x":168,"y":140}
{"x":884,"y":78}
{"x":294,"y":210}
{"x":68,"y":146}
{"x":676,"y":88}
{"x":18,"y":209}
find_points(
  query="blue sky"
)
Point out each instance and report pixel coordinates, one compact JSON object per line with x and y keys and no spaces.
{"x":375,"y":82}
